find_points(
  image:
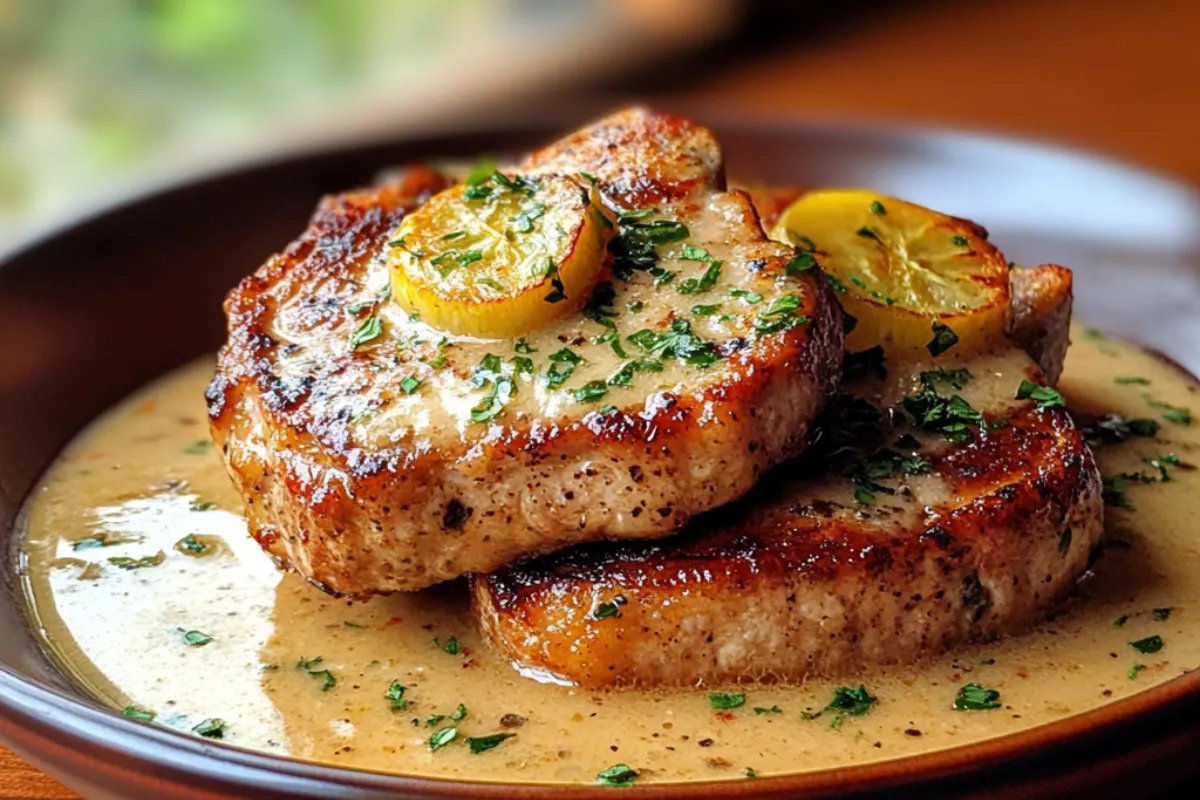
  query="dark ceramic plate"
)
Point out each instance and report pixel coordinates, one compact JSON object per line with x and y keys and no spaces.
{"x":90,"y":313}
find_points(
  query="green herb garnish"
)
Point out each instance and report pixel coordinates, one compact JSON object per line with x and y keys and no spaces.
{"x":124,"y":562}
{"x":410,"y":384}
{"x":876,"y":207}
{"x":442,"y":738}
{"x":369,"y":330}
{"x":198,"y":448}
{"x":722,"y":701}
{"x":943,"y":339}
{"x":1043,"y":396}
{"x":211,"y":729}
{"x":481,"y":744}
{"x":395,"y":694}
{"x":195,"y":638}
{"x":617,"y":775}
{"x":1151,"y":644}
{"x":138,"y":713}
{"x":974,"y":697}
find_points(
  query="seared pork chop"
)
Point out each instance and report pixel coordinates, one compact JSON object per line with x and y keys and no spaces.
{"x":375,"y":453}
{"x":890,"y":540}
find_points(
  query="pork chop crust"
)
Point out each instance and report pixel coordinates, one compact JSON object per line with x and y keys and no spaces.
{"x":360,"y":485}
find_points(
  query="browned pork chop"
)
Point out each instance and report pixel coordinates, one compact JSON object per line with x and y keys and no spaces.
{"x":885,"y":543}
{"x":353,"y":432}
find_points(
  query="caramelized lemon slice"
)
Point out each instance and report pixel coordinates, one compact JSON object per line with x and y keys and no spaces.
{"x":499,"y":256}
{"x":916,"y":281}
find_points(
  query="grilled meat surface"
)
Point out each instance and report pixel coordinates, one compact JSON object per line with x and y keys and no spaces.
{"x":883,"y":543}
{"x":358,"y":459}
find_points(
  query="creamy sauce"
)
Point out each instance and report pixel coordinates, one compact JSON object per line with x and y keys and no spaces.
{"x":141,"y":480}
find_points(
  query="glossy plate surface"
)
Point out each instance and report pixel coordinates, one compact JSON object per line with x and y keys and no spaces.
{"x":95,"y":310}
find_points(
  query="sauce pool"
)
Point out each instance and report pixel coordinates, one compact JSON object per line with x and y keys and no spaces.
{"x":151,"y":594}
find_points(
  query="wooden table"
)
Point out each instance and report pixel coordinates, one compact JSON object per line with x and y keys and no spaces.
{"x":1111,"y":75}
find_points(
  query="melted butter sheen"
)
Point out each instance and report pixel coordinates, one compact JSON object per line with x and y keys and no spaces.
{"x":138,"y":478}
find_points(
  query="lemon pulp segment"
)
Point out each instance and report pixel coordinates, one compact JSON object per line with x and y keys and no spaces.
{"x":499,"y":257}
{"x":902,"y":271}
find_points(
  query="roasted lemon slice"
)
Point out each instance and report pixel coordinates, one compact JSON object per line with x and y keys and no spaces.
{"x":500,"y":255}
{"x":916,"y":281}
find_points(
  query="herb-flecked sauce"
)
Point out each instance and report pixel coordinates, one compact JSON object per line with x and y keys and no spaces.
{"x":149,"y":591}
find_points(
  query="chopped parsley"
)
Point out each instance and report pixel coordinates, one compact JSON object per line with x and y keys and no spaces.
{"x":558,"y":292}
{"x":846,"y":702}
{"x":442,"y":738}
{"x":459,"y":713}
{"x":779,"y":316}
{"x":956,"y":378}
{"x":610,"y":609}
{"x":195,"y":638}
{"x":1132,"y":380}
{"x":202,"y":505}
{"x":198,"y":448}
{"x":747,"y":297}
{"x":1114,"y":429}
{"x":759,"y":710}
{"x":124,"y":562}
{"x":951,"y":417}
{"x":677,"y":341}
{"x":867,"y":233}
{"x":1161,"y":463}
{"x":1135,"y":671}
{"x":706,"y":311}
{"x":624,"y":375}
{"x":1151,"y":644}
{"x":211,"y":729}
{"x":877,"y":208}
{"x":721,"y":701}
{"x":481,"y":744}
{"x":530,"y":212}
{"x":191,"y":544}
{"x":866,"y":473}
{"x":395,"y":694}
{"x":1176,"y":414}
{"x":617,"y":775}
{"x":1113,"y":492}
{"x":943,"y":339}
{"x":1043,"y":396}
{"x":138,"y":713}
{"x":1064,"y":541}
{"x":974,"y":697}
{"x":522,"y":347}
{"x":369,"y":330}
{"x":310,"y":665}
{"x":750,"y":772}
{"x":562,"y":364}
{"x":1120,"y":621}
{"x":451,"y":645}
{"x":102,"y":539}
{"x":702,"y":284}
{"x":1162,"y":614}
{"x":410,"y":384}
{"x":590,"y":392}
{"x":960,"y":241}
{"x":634,"y":248}
{"x":801,"y":262}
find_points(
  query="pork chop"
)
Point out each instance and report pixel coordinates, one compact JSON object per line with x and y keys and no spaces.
{"x":355,"y":434}
{"x":916,"y":523}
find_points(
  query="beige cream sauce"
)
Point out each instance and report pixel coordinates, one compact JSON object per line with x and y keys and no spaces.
{"x":132,"y":475}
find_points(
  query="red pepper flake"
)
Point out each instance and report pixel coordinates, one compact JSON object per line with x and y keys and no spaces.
{"x":725,"y":715}
{"x":393,"y":621}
